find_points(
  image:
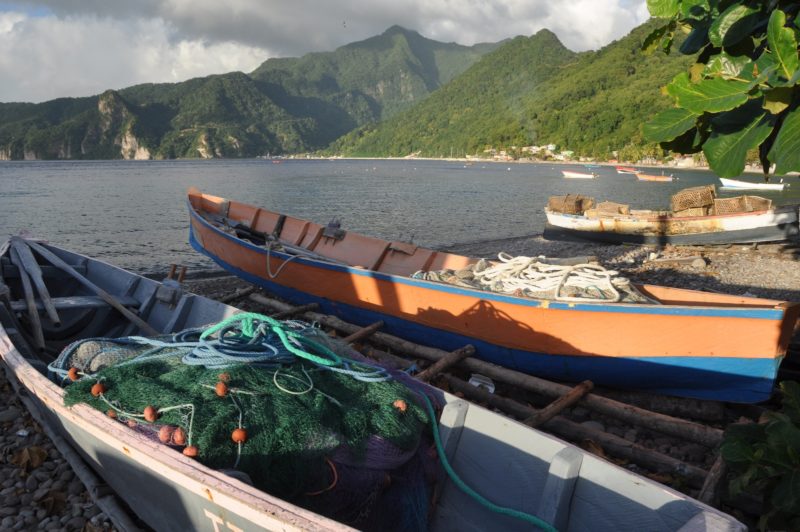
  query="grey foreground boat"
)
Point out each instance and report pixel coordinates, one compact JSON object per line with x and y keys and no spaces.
{"x":506,"y":462}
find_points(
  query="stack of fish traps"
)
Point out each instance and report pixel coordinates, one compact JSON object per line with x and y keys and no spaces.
{"x":570,"y":204}
{"x":702,"y":201}
{"x":741,"y":204}
{"x":695,"y":201}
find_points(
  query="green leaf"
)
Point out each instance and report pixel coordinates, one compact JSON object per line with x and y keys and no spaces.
{"x":727,"y":66}
{"x":710,"y":95}
{"x":697,"y":38}
{"x":652,"y":41}
{"x":737,"y":452}
{"x":732,"y":25}
{"x":778,"y":99}
{"x":785,"y":152}
{"x":663,"y":8}
{"x":786,"y":494}
{"x":783,"y":44}
{"x":694,"y":9}
{"x":669,"y":124}
{"x":733,"y":134}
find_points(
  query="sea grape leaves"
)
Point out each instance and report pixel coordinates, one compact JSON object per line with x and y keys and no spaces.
{"x":708,"y":95}
{"x":785,"y":152}
{"x":669,"y":124}
{"x":733,"y":25}
{"x":783,"y":44}
{"x":663,"y":8}
{"x":733,"y":134}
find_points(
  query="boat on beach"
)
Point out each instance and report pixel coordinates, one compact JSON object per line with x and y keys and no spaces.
{"x":578,"y":175}
{"x":697,"y":217}
{"x":747,"y":185}
{"x":677,"y":342}
{"x":54,"y":303}
{"x":653,"y":177}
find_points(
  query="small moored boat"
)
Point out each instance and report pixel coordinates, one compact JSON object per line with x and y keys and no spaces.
{"x":54,"y":300}
{"x":747,"y":185}
{"x":653,"y":177}
{"x":578,"y":175}
{"x":678,"y":342}
{"x":626,"y":170}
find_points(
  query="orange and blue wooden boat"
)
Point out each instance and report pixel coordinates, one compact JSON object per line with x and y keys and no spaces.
{"x":694,"y":344}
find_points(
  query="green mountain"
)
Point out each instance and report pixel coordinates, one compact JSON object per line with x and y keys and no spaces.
{"x":285,"y":106}
{"x":532,"y":91}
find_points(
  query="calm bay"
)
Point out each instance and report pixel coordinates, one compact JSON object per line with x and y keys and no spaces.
{"x":133,"y":213}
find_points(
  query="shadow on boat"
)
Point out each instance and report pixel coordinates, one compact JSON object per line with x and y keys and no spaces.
{"x":537,"y":475}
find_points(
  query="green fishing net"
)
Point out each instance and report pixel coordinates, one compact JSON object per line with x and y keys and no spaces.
{"x":323,"y":430}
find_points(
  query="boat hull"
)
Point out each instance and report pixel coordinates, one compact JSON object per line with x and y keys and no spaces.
{"x":612,"y":344}
{"x":495,"y":455}
{"x":772,"y":226}
{"x":578,"y":175}
{"x":746,"y":185}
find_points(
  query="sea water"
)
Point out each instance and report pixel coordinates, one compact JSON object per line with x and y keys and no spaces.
{"x":133,"y":213}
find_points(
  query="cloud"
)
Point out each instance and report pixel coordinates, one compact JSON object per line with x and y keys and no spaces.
{"x":80,"y":47}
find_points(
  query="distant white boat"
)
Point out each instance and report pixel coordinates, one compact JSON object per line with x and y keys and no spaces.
{"x":578,"y":175}
{"x":735,"y":183}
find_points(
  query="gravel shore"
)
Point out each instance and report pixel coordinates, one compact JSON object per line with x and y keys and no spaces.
{"x":39,"y":491}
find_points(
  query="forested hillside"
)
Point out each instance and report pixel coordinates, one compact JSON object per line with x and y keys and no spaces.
{"x":532,"y":91}
{"x":287,"y":105}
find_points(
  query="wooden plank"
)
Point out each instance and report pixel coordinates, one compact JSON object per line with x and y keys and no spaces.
{"x":710,"y":492}
{"x":28,"y":262}
{"x":238,"y":294}
{"x":77,"y":302}
{"x":565,"y":401}
{"x":30,"y":303}
{"x":291,"y":311}
{"x":367,"y":331}
{"x":111,"y":300}
{"x":445,"y":362}
{"x":672,"y":426}
{"x":11,"y":271}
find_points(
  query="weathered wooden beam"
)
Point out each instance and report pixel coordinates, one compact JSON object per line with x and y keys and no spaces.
{"x":53,"y":259}
{"x":445,"y":362}
{"x":613,"y":445}
{"x":77,"y":302}
{"x":672,"y":426}
{"x":30,"y":302}
{"x":565,"y":401}
{"x":367,"y":331}
{"x":238,"y":294}
{"x":11,"y":271}
{"x":712,"y":486}
{"x":28,"y":262}
{"x":289,"y":312}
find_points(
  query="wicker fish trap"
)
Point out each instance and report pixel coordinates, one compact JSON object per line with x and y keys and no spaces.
{"x":693,"y":197}
{"x":731,"y":205}
{"x":694,"y":211}
{"x":570,"y":204}
{"x":610,"y":207}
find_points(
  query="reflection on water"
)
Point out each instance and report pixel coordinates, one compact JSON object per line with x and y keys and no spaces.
{"x":133,"y":213}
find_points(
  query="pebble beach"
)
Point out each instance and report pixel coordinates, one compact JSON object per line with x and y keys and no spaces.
{"x":39,"y":491}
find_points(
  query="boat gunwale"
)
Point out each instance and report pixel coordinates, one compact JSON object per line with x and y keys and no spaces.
{"x":770,"y":309}
{"x":252,"y":503}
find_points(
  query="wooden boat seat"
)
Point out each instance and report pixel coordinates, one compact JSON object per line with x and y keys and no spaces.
{"x":353,"y":249}
{"x":400,"y":262}
{"x":76,"y":302}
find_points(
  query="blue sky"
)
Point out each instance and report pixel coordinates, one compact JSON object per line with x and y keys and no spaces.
{"x":54,"y":48}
